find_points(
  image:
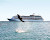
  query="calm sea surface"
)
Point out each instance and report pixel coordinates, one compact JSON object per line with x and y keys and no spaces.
{"x":24,"y":30}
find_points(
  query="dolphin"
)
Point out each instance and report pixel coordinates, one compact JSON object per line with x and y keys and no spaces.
{"x":19,"y":17}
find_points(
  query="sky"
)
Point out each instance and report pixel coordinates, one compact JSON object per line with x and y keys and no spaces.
{"x":10,"y":8}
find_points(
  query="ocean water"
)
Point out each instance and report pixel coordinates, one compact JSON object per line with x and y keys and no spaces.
{"x":24,"y":30}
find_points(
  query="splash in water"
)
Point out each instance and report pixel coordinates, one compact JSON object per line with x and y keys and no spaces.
{"x":20,"y":30}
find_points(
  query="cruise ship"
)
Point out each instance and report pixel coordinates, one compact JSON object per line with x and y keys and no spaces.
{"x":29,"y":18}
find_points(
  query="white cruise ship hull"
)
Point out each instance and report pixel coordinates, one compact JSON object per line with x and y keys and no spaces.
{"x":24,"y":20}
